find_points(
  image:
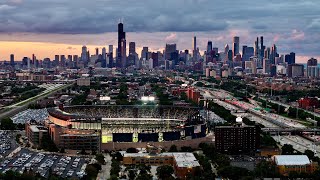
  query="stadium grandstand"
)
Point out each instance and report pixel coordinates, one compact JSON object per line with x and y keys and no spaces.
{"x":101,"y":127}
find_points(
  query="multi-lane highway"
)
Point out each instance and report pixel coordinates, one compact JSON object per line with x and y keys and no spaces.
{"x":267,"y":119}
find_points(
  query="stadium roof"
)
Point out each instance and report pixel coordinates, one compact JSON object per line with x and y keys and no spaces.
{"x":291,"y":160}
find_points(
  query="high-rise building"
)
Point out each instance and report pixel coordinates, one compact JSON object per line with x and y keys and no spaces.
{"x":132,"y":48}
{"x":104,"y":53}
{"x":236,"y":45}
{"x":262,"y":48}
{"x":62,"y":60}
{"x":267,"y":53}
{"x":121,"y":54}
{"x":155,"y":58}
{"x":194,"y":49}
{"x":247,"y":52}
{"x":312,"y":68}
{"x":290,"y":58}
{"x":237,"y":139}
{"x":295,"y":70}
{"x":312,"y":62}
{"x":266,"y":66}
{"x":170,"y":48}
{"x":256,"y":48}
{"x":12,"y":60}
{"x":84,"y":54}
{"x":97,"y":51}
{"x":209,"y":47}
{"x":70,"y":58}
{"x":132,"y":53}
{"x":75,"y":61}
{"x":273,"y":54}
{"x":144,"y":53}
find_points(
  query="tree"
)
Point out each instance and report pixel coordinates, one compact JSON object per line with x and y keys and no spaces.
{"x":132,"y":174}
{"x":233,"y":172}
{"x":144,"y":177}
{"x":266,"y":169}
{"x":91,"y":171}
{"x":132,"y":150}
{"x":164,"y":172}
{"x":186,"y":149}
{"x":100,"y":158}
{"x":309,"y":153}
{"x":173,"y":148}
{"x":7,"y":124}
{"x":287,"y":149}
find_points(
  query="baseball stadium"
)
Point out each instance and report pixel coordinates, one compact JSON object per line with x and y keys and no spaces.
{"x":114,"y":127}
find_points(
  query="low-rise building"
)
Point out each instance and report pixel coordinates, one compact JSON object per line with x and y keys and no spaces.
{"x":183,"y":163}
{"x":294,"y":163}
{"x":35,"y":133}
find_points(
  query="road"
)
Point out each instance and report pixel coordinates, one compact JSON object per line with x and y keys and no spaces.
{"x":287,"y":105}
{"x":267,"y":119}
{"x":298,"y":143}
{"x":20,"y":106}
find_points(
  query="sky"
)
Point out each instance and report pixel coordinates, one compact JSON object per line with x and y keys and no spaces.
{"x":49,"y":27}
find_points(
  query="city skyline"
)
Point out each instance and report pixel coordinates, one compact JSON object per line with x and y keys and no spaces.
{"x":64,"y":29}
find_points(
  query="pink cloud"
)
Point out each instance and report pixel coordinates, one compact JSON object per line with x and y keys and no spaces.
{"x":276,"y":38}
{"x":171,"y":38}
{"x":297,"y":35}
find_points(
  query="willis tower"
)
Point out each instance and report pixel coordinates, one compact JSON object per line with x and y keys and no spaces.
{"x":121,"y":52}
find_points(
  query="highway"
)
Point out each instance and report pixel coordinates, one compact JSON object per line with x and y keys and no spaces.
{"x":20,"y":106}
{"x":269,"y":120}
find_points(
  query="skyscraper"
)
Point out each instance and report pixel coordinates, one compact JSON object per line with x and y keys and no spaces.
{"x":121,"y":54}
{"x":132,"y":53}
{"x":97,"y":51}
{"x":104,"y":57}
{"x":262,"y":47}
{"x":312,"y":62}
{"x":209,"y":47}
{"x":170,"y":48}
{"x":104,"y":53}
{"x":84,"y":56}
{"x":256,"y":48}
{"x":247,"y":52}
{"x":12,"y":60}
{"x":194,"y":47}
{"x":132,"y":48}
{"x":312,"y":68}
{"x":144,"y":53}
{"x":236,"y":44}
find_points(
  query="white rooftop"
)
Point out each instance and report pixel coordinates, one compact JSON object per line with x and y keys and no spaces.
{"x":291,"y":160}
{"x":34,"y":128}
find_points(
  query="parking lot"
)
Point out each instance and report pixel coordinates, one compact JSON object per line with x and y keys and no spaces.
{"x":63,"y":166}
{"x":7,"y":143}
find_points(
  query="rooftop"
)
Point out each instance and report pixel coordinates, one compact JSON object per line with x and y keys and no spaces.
{"x":291,"y":160}
{"x":34,"y":128}
{"x":181,"y":159}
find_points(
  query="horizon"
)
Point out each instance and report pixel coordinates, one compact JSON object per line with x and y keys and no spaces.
{"x":46,"y":28}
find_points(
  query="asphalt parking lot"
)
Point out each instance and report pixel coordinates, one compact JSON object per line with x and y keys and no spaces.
{"x":7,"y":142}
{"x":63,"y":166}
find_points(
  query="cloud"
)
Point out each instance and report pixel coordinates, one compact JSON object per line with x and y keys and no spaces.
{"x":153,"y":23}
{"x":171,"y":38}
{"x":297,"y":35}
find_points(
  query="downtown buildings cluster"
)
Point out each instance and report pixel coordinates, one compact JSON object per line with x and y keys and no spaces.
{"x":256,"y":60}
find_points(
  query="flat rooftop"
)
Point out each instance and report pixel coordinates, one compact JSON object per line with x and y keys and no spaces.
{"x":181,"y":159}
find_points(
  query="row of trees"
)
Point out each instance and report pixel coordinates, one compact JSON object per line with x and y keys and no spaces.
{"x":7,"y":124}
{"x":291,"y":112}
{"x":222,"y":112}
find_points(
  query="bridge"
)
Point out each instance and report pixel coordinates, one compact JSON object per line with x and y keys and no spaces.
{"x":273,"y":129}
